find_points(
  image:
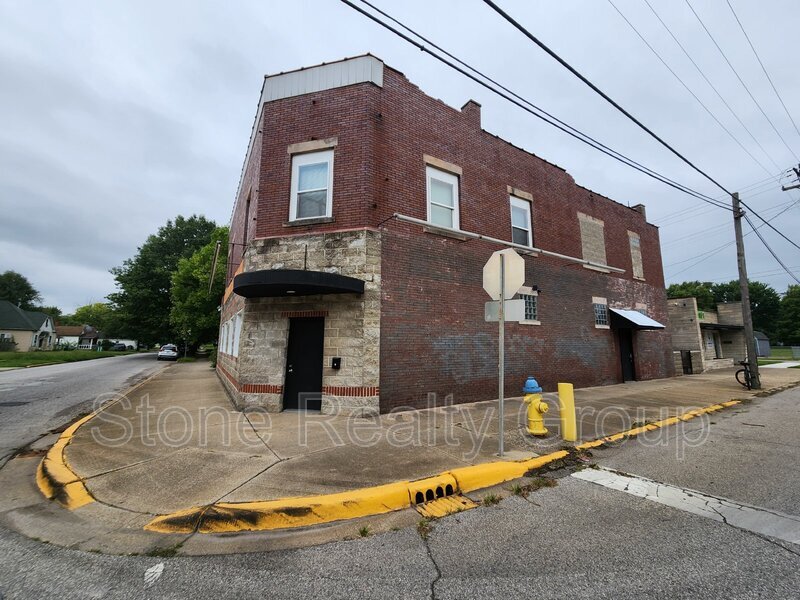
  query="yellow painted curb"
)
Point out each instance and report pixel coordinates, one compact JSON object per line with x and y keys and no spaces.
{"x":225,"y":517}
{"x":287,"y":513}
{"x":55,"y":478}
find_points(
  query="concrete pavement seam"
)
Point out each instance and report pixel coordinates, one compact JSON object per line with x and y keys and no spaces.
{"x":294,"y":512}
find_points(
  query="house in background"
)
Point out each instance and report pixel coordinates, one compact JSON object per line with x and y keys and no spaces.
{"x":364,"y":216}
{"x":703,"y":340}
{"x":28,"y":329}
{"x":89,"y":338}
{"x":68,"y":335}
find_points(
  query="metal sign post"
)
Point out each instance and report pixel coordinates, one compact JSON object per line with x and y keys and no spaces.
{"x":501,"y":354}
{"x":503,"y":275}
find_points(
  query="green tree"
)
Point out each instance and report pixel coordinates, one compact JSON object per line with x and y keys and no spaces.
{"x":53,"y":311}
{"x":694,"y":289}
{"x":16,"y":288}
{"x":194,"y":315}
{"x":789,"y":320}
{"x":100,"y":315}
{"x":143,"y":301}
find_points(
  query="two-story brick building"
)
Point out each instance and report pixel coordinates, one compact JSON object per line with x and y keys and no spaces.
{"x":364,"y":215}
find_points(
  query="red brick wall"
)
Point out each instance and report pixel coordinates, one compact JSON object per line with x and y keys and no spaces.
{"x":240,"y":234}
{"x":433,"y":338}
{"x":351,"y":115}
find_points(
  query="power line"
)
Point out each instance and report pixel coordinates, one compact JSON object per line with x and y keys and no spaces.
{"x":711,"y":85}
{"x":512,"y":93}
{"x":763,"y":68}
{"x":683,"y":214}
{"x":771,"y":251}
{"x":760,"y":274}
{"x":713,"y":231}
{"x":602,"y":94}
{"x":688,"y":89}
{"x":526,"y":105}
{"x":768,"y":224}
{"x":735,"y":72}
{"x":706,"y":255}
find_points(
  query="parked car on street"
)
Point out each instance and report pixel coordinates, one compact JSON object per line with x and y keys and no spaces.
{"x":168,"y":352}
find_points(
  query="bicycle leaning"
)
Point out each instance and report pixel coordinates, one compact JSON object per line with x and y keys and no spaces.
{"x":744,"y":376}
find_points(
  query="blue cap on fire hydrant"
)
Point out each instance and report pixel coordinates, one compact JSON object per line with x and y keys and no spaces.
{"x":531,"y":386}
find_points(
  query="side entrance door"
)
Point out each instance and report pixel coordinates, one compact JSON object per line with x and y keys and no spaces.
{"x":626,"y":354}
{"x":302,"y":387}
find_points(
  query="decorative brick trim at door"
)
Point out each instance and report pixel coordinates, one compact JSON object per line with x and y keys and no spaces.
{"x":304,"y":313}
{"x":261,"y":388}
{"x":338,"y":390}
{"x":251,"y":388}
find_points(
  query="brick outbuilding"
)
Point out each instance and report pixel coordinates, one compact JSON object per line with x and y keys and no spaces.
{"x":364,"y":215}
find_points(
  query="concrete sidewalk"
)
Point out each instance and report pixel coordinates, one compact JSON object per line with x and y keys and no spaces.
{"x":176,"y":442}
{"x":179,"y":442}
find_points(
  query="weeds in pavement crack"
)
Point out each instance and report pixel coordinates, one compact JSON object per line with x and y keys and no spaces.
{"x":491,"y":499}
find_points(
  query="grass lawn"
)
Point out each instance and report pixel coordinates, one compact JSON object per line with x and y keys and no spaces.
{"x":777,"y":354}
{"x":27,"y":359}
{"x":781,"y":352}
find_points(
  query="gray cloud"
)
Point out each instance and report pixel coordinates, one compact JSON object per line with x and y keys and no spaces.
{"x":116,"y":117}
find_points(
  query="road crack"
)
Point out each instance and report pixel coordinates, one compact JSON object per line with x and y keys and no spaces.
{"x":436,"y":579}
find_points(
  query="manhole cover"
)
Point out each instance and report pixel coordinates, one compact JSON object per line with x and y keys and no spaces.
{"x":13,"y":403}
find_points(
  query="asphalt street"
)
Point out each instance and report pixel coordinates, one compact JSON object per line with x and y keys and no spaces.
{"x":576,"y":539}
{"x":35,"y":400}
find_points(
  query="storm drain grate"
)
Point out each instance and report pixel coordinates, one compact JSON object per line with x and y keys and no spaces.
{"x":442,"y":507}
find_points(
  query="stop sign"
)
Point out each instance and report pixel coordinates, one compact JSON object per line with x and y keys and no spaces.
{"x":514,"y":266}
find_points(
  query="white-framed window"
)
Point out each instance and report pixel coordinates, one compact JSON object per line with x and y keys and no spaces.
{"x":229,"y":336}
{"x":442,"y":198}
{"x":312,"y":186}
{"x":521,"y":227}
{"x":531,"y":299}
{"x":600,"y":308}
{"x":237,"y":333}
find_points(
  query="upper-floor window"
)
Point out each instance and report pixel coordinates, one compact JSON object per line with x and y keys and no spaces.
{"x":593,"y":241}
{"x":636,"y":255}
{"x":442,"y":198}
{"x":312,"y":185}
{"x":521,"y":229}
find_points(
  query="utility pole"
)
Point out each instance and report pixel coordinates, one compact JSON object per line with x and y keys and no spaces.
{"x":786,"y":188}
{"x":747,"y":316}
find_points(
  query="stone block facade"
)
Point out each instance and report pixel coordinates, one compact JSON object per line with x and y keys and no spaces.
{"x":352,"y":323}
{"x":418,"y":328}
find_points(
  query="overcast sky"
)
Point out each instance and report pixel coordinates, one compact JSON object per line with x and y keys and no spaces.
{"x":116,"y":116}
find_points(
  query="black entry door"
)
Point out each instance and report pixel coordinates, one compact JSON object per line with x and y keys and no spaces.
{"x":303,"y":384}
{"x":626,"y":354}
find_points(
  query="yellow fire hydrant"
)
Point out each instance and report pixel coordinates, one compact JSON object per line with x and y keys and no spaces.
{"x":536,"y":408}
